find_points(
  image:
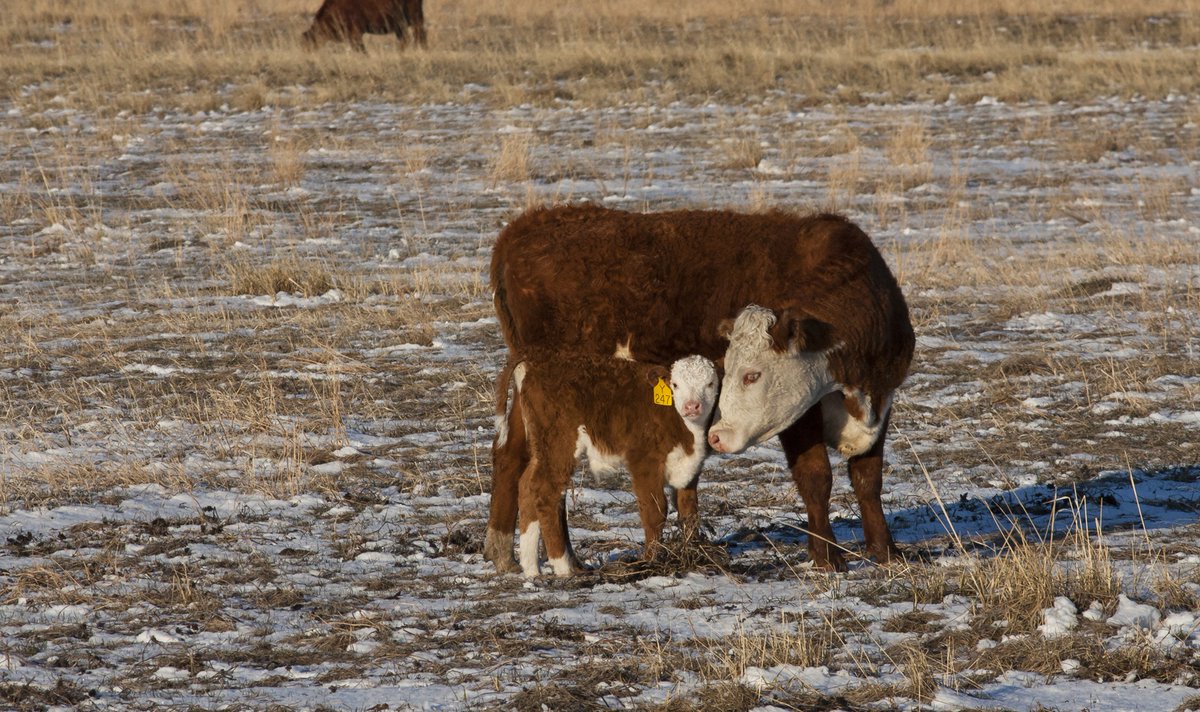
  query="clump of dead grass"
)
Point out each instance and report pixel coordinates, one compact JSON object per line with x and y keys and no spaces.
{"x":1026,"y":575}
{"x":680,"y":552}
{"x":292,"y":274}
{"x":127,"y":55}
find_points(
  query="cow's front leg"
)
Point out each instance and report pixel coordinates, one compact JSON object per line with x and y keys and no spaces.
{"x":804,"y":445}
{"x":866,"y":475}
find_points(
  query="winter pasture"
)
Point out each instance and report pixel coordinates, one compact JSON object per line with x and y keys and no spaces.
{"x":245,"y":385}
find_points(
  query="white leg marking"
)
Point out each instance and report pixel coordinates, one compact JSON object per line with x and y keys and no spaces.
{"x":529,"y":549}
{"x":561,"y":565}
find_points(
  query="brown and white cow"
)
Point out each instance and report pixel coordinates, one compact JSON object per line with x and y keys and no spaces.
{"x":649,"y":419}
{"x":828,"y":342}
{"x":349,"y":19}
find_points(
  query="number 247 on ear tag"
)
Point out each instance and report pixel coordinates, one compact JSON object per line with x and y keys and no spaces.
{"x":662,"y":393}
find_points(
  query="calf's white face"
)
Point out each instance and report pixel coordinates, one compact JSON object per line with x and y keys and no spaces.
{"x":768,"y":385}
{"x":694,"y":387}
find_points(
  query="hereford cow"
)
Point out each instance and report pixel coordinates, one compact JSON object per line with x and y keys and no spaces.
{"x":620,"y":413}
{"x":815,"y":361}
{"x":349,"y":19}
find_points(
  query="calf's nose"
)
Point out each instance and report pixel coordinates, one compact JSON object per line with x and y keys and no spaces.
{"x":691,"y":408}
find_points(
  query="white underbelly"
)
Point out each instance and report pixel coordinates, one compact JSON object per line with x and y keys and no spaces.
{"x":599,"y":462}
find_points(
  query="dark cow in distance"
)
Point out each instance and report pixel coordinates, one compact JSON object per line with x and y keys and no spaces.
{"x":349,"y":19}
{"x":812,"y":325}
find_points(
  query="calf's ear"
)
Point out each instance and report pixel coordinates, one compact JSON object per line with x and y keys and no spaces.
{"x":655,"y":373}
{"x":720,"y":364}
{"x":799,"y":332}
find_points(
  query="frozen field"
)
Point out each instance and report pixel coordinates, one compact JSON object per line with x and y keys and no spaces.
{"x":246,"y":414}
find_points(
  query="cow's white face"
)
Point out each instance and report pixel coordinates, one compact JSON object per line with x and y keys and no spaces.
{"x":694,"y":385}
{"x":771,"y":379}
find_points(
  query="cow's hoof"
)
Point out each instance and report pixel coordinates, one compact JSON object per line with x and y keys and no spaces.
{"x":887,"y":556}
{"x":834,"y":563}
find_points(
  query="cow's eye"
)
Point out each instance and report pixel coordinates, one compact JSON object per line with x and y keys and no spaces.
{"x":751,"y":377}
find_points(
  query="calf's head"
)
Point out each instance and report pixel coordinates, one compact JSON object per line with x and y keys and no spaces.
{"x":775,"y":370}
{"x":694,"y":385}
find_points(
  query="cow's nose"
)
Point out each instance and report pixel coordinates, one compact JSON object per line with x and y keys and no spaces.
{"x":714,"y":439}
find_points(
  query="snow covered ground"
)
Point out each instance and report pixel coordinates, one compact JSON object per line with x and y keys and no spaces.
{"x":215,"y":499}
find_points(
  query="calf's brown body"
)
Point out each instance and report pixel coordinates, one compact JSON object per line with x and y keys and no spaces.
{"x":606,"y":406}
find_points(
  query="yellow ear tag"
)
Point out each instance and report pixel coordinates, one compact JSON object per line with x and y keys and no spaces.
{"x":662,"y":393}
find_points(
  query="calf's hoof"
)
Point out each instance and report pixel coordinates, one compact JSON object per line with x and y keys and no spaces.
{"x":498,"y":549}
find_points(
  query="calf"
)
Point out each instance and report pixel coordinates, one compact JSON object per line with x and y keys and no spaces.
{"x":349,"y":19}
{"x":618,"y":412}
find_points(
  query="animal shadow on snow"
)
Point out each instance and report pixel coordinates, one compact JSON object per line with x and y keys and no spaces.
{"x":1112,"y":501}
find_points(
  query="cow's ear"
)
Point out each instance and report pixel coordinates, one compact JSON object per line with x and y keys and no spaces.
{"x":795,"y":333}
{"x":725,"y":328}
{"x":720,"y":364}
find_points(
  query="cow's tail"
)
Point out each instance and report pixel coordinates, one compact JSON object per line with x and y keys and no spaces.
{"x":515,"y":372}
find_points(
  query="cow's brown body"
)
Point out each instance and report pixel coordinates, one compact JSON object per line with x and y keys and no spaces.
{"x":658,"y":286}
{"x":604,"y":406}
{"x":349,"y":20}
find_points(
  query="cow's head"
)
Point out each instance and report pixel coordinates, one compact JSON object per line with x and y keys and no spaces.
{"x":694,"y":385}
{"x":775,"y":370}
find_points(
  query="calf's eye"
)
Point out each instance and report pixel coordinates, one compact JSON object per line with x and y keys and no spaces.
{"x":751,"y":377}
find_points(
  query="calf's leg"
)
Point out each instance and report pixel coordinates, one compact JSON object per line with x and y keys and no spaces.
{"x":509,"y":460}
{"x":652,"y":503}
{"x":546,"y":482}
{"x":530,"y":524}
{"x":687,"y":509}
{"x":804,"y":446}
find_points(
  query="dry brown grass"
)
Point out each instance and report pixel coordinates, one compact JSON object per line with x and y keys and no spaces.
{"x":204,"y":54}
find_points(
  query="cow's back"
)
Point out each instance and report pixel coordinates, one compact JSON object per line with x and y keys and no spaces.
{"x":592,"y":280}
{"x":372,"y":16}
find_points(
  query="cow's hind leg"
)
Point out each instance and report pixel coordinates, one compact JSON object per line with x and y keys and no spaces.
{"x":804,"y":445}
{"x":415,"y":17}
{"x":866,"y":475}
{"x":509,"y":460}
